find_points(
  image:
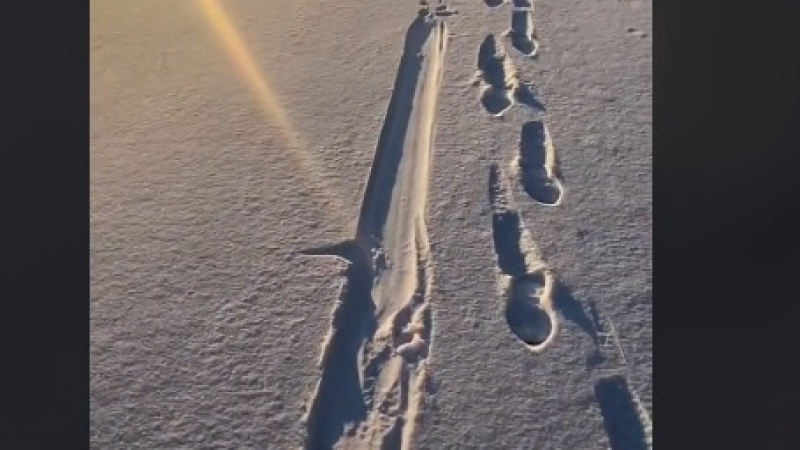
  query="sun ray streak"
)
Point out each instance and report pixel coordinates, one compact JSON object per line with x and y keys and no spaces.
{"x":234,"y":45}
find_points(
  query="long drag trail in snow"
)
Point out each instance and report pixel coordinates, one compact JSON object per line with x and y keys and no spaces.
{"x":373,"y":360}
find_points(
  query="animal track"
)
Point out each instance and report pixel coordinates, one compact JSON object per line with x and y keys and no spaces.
{"x":626,"y":421}
{"x":500,"y":84}
{"x":373,"y":364}
{"x":522,"y":32}
{"x":537,"y":165}
{"x":524,"y":281}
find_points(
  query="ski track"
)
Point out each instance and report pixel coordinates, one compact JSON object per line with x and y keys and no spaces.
{"x":373,"y":363}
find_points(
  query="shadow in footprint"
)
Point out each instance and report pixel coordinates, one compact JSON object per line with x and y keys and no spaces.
{"x":506,"y":228}
{"x":491,"y":56}
{"x":522,"y":34}
{"x":539,"y":183}
{"x":506,"y":232}
{"x":524,"y":313}
{"x":498,"y":76}
{"x":524,"y":296}
{"x":495,"y":101}
{"x":620,"y":416}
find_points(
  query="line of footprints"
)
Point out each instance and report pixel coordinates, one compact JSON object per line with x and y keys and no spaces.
{"x":525,"y":281}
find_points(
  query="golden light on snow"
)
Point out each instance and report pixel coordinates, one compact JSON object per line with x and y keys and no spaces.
{"x":257,"y":80}
{"x":244,"y":62}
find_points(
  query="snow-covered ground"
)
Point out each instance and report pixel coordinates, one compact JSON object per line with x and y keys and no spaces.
{"x":469,"y":197}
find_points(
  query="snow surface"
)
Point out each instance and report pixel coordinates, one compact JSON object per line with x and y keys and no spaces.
{"x":210,"y":174}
